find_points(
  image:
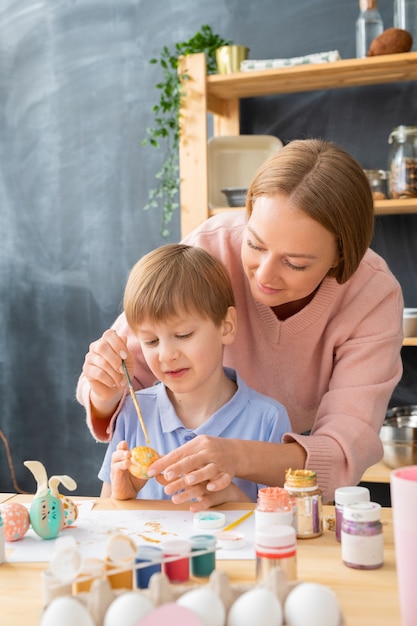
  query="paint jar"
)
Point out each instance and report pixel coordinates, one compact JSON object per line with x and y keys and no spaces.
{"x":275,"y":547}
{"x":151,"y":555}
{"x":177,"y":568}
{"x":203,"y":564}
{"x":274,"y":506}
{"x":343,"y":496}
{"x":362,"y":538}
{"x":302,"y":485}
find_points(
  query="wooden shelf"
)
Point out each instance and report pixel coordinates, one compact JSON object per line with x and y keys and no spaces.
{"x":220,"y":94}
{"x":390,"y":68}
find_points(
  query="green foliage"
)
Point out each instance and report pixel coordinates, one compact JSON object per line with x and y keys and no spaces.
{"x":166,"y":130}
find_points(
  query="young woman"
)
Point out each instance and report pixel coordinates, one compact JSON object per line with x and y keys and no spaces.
{"x":319,"y":329}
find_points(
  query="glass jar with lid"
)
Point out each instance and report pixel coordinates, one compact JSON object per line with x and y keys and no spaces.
{"x":378,"y":181}
{"x":403,"y":162}
{"x":302,"y":486}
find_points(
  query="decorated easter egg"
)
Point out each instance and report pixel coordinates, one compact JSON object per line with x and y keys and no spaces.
{"x":15,"y":520}
{"x":70,"y":510}
{"x":47,"y":516}
{"x":47,"y":510}
{"x":140,"y":460}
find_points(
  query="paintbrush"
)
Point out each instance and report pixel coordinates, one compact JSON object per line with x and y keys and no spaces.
{"x":135,"y":402}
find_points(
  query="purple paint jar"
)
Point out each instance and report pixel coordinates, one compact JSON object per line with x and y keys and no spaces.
{"x":343,"y":496}
{"x":362,"y":538}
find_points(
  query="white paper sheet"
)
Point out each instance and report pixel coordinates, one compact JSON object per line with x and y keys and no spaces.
{"x":93,"y":528}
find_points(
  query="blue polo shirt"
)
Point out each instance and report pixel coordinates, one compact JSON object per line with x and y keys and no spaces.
{"x":248,"y":415}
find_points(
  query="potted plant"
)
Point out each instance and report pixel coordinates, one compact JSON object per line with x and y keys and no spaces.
{"x":166,"y":127}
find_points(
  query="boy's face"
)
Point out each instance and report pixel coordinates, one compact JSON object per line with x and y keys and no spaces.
{"x":186,"y":351}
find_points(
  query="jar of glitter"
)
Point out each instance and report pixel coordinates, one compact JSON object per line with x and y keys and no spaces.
{"x":302,"y":485}
{"x":274,"y":506}
{"x":343,"y":496}
{"x":362,"y":537}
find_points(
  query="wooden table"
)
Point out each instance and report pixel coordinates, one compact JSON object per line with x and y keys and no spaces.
{"x":6,"y":496}
{"x":378,"y":473}
{"x":366,"y":597}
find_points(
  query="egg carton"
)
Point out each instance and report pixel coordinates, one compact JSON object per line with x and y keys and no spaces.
{"x":161,"y":591}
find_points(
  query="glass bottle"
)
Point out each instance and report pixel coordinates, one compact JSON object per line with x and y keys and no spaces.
{"x":405,"y":17}
{"x":302,"y":485}
{"x":275,"y":547}
{"x":368,"y":26}
{"x":403,"y":162}
{"x":362,"y":538}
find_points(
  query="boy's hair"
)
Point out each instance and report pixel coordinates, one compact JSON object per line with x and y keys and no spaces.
{"x":176,"y":278}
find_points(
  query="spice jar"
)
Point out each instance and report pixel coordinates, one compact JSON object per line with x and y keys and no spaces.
{"x":362,"y":538}
{"x":274,"y":506}
{"x":403,"y":162}
{"x":275,"y":547}
{"x":302,"y":485}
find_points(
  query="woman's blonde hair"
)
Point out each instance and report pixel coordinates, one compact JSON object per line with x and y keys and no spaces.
{"x":328,"y":185}
{"x":176,"y":278}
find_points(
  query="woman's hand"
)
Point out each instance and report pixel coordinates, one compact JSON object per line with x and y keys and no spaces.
{"x":103,"y":370}
{"x":198,"y":468}
{"x":232,"y":493}
{"x":124,"y":485}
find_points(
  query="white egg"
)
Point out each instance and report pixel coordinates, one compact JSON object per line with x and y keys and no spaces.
{"x":206,"y":604}
{"x":312,"y":604}
{"x":66,"y":611}
{"x":127,"y":609}
{"x":257,"y":606}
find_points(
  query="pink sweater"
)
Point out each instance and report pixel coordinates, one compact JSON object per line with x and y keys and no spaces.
{"x":334,"y":365}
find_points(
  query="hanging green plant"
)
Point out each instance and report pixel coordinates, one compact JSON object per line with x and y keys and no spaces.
{"x":166,"y":130}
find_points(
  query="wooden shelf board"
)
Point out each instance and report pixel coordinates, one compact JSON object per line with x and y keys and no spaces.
{"x":387,"y":68}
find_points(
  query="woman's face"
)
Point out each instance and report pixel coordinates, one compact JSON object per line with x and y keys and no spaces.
{"x":285,"y":253}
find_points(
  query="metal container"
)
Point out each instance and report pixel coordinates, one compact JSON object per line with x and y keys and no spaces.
{"x":399,"y":436}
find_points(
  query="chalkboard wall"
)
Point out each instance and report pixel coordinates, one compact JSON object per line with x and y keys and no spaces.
{"x":76,"y":94}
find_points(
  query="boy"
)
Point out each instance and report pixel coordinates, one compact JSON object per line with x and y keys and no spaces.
{"x":179,"y":303}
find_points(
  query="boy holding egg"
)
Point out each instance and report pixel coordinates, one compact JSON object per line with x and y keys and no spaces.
{"x":179,"y":303}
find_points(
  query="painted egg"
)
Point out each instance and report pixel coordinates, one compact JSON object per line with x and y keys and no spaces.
{"x":70,"y":510}
{"x":16,"y":521}
{"x":47,"y":515}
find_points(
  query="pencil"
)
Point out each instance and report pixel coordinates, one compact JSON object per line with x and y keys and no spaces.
{"x":238,"y":521}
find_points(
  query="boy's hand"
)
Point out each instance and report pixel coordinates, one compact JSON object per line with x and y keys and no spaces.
{"x":124,"y":485}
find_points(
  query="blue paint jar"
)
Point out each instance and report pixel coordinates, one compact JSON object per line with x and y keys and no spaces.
{"x":151,"y":555}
